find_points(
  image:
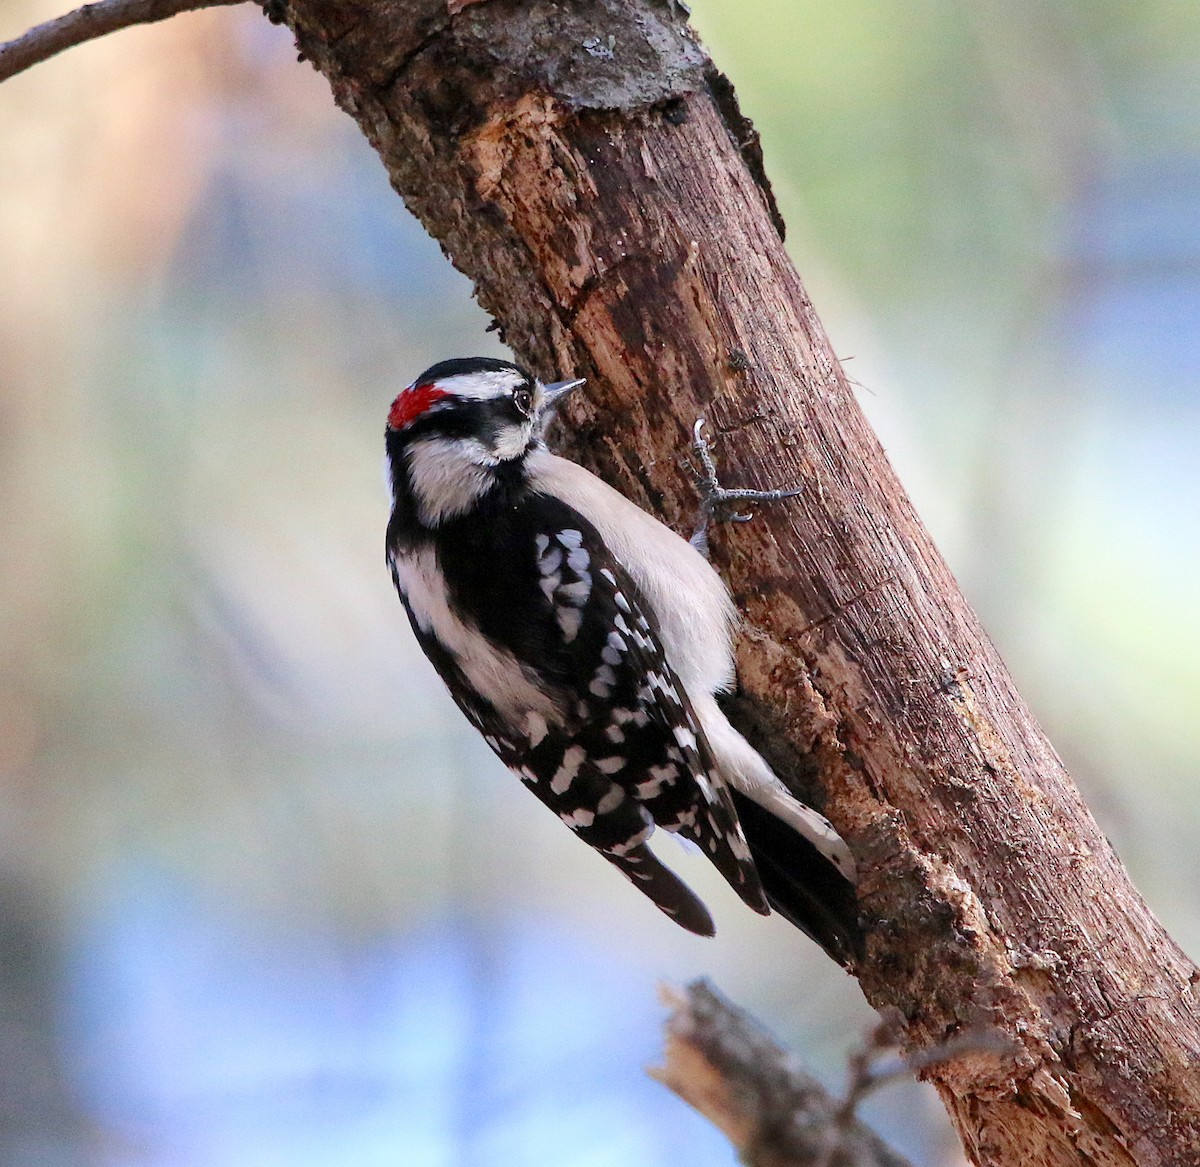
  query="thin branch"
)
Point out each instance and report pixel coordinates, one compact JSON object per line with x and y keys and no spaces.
{"x":720,"y":1061}
{"x":876,"y":1063}
{"x":870,"y":1067}
{"x":86,"y":24}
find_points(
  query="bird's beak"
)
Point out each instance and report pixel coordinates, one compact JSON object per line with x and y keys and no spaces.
{"x":556,"y":391}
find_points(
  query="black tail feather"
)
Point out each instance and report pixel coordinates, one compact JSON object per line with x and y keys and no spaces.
{"x":801,"y":884}
{"x":653,"y":878}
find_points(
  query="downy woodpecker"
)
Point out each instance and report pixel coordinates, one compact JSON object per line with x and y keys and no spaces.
{"x":587,"y":642}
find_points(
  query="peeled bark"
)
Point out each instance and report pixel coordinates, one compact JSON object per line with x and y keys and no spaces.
{"x":584,"y":163}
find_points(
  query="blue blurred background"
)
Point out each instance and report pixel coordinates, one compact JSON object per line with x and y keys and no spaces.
{"x":263,"y":898}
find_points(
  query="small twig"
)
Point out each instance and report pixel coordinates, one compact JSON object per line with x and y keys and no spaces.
{"x":865,"y":1073}
{"x":870,"y":1068}
{"x":86,"y":24}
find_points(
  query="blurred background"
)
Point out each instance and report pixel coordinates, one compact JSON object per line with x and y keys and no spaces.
{"x":264,"y":897}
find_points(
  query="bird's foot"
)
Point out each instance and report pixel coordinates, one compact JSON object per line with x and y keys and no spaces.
{"x":715,"y":499}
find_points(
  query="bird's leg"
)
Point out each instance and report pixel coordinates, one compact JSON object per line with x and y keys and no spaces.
{"x":715,"y":499}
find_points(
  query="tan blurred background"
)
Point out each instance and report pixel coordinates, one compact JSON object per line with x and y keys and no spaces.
{"x":263,"y":898}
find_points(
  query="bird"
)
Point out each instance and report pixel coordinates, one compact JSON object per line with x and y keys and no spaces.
{"x":588,"y":643}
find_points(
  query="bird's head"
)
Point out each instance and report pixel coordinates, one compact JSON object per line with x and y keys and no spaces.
{"x":458,"y":424}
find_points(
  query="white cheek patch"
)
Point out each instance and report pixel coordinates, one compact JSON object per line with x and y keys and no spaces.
{"x":512,"y":441}
{"x":493,"y":672}
{"x":448,"y":476}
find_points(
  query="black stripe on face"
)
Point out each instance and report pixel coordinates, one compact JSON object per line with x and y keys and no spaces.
{"x":462,"y":417}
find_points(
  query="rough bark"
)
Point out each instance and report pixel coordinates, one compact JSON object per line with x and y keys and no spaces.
{"x":584,"y":163}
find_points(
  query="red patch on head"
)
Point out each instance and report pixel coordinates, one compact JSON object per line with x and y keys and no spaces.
{"x":413,"y":402}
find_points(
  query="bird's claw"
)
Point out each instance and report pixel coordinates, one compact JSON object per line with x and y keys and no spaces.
{"x":714,"y":497}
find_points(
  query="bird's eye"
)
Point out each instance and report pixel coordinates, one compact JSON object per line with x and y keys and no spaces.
{"x":523,"y":400}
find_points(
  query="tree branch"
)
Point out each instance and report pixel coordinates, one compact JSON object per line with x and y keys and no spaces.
{"x":724,"y":1064}
{"x":86,"y":24}
{"x":721,"y":1062}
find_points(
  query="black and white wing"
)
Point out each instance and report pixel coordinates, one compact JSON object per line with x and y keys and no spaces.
{"x":620,"y":750}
